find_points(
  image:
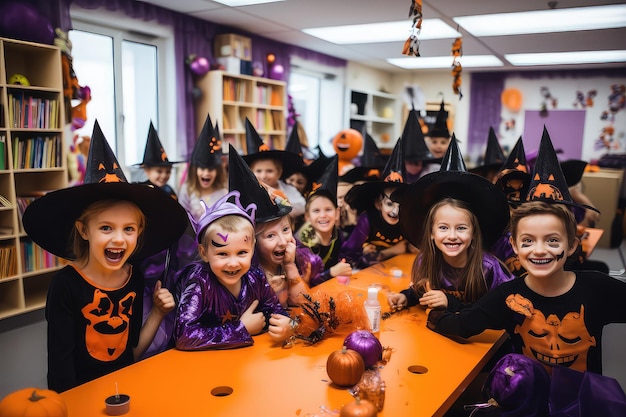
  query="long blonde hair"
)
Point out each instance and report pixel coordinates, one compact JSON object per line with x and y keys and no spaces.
{"x":428,"y":267}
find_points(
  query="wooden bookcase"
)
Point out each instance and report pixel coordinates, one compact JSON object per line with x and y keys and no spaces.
{"x":378,"y":112}
{"x":34,"y":162}
{"x":229,"y":99}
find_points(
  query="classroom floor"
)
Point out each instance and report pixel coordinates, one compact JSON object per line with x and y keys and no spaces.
{"x":23,"y":342}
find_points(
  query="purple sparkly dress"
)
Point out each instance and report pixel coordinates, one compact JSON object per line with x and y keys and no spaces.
{"x":208,"y":314}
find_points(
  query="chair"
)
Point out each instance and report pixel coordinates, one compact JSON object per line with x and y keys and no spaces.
{"x":613,"y":348}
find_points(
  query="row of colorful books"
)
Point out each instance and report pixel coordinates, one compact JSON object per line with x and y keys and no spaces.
{"x":235,"y":90}
{"x":34,"y":258}
{"x":26,"y":111}
{"x":266,"y":94}
{"x":269,"y":121}
{"x":37,"y":152}
{"x":8,"y":265}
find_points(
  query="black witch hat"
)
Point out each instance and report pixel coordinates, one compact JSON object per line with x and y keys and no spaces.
{"x":207,"y":152}
{"x":415,"y":148}
{"x":372,"y":163}
{"x":485,"y":200}
{"x":326,"y":183}
{"x":362,"y":197}
{"x":493,"y":158}
{"x":547,"y":182}
{"x":514,"y":176}
{"x":440,"y":128}
{"x":257,"y":149}
{"x":293,"y":142}
{"x":154,"y":154}
{"x":50,"y":220}
{"x":573,"y":170}
{"x":270,"y":205}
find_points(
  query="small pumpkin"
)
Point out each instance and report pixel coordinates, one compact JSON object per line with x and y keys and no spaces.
{"x":367,"y":344}
{"x":359,"y":408}
{"x":345,"y":367}
{"x":33,"y":402}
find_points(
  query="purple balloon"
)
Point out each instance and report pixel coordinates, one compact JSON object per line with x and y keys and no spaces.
{"x":277,"y":72}
{"x":24,"y":22}
{"x":200,"y":65}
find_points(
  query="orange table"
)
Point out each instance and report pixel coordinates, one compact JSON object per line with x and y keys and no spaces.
{"x":590,"y":239}
{"x":426,"y":374}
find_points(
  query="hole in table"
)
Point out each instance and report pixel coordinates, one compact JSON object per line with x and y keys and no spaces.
{"x":222,"y":391}
{"x":418,"y":369}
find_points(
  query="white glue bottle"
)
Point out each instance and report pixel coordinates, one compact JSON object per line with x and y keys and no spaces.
{"x":372,"y":308}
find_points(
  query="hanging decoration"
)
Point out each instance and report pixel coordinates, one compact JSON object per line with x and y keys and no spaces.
{"x":457,"y":53}
{"x":412,"y":44}
{"x":199,"y":65}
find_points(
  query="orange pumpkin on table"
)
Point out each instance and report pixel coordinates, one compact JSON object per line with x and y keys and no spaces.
{"x":347,"y":144}
{"x":33,"y":402}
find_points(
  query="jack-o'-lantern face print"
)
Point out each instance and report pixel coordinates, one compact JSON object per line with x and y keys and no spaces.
{"x":107,"y":331}
{"x":546,"y":189}
{"x":110,"y":173}
{"x":554,"y":341}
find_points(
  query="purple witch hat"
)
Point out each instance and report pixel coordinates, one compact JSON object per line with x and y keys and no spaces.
{"x":229,"y":204}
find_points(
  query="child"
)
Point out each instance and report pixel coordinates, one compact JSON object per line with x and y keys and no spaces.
{"x":553,"y":316}
{"x":269,"y":166}
{"x":320,"y":233}
{"x":155,"y":164}
{"x":377,"y":235}
{"x":452,"y":268}
{"x":288,"y":266}
{"x":94,"y":305}
{"x":206,"y":177}
{"x":439,"y":135}
{"x":224,"y":301}
{"x":417,"y":157}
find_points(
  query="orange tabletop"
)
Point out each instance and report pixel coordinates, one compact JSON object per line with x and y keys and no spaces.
{"x":426,"y":374}
{"x":590,"y":239}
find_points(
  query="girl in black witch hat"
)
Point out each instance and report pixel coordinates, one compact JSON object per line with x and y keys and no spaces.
{"x":320,"y":232}
{"x":94,"y":307}
{"x":155,"y":164}
{"x":206,"y":178}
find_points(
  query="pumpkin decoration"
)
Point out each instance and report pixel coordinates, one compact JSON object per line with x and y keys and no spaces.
{"x":359,"y":408}
{"x":366,"y":344}
{"x":347,"y":144}
{"x":371,"y":387}
{"x":33,"y":402}
{"x":345,"y":367}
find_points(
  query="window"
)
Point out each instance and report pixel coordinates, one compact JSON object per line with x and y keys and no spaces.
{"x":318,"y":96}
{"x":130,"y":81}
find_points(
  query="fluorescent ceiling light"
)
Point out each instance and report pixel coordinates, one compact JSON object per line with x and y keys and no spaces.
{"x":383,"y":32}
{"x":556,"y":58}
{"x":432,"y":62}
{"x":545,"y":21}
{"x":236,"y":3}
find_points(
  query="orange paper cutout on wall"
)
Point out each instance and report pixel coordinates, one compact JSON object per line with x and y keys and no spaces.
{"x":512,"y":99}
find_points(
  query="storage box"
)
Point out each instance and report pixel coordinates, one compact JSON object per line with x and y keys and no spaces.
{"x":236,"y":46}
{"x":603,"y":189}
{"x":234,"y":65}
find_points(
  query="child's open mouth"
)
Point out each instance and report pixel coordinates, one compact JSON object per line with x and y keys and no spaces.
{"x":540,"y":261}
{"x":114,"y":254}
{"x":206,"y":180}
{"x":279,"y":254}
{"x":231,"y":273}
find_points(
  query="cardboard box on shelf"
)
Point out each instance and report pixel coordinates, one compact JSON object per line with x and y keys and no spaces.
{"x":603,"y":189}
{"x":231,"y":45}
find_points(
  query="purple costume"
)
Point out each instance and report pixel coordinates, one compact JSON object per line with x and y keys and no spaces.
{"x":208,"y":314}
{"x":493,"y":271}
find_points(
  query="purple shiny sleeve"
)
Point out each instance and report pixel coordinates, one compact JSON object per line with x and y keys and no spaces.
{"x":208,"y":315}
{"x":304,"y":258}
{"x":352,"y":248}
{"x":495,"y":273}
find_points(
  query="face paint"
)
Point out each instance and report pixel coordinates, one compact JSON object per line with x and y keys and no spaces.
{"x":560,"y":256}
{"x":224,"y":237}
{"x":217,"y":245}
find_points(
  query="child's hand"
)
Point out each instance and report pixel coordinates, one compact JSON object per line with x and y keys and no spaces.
{"x":253,"y":322}
{"x":342,"y":268}
{"x":279,"y":328}
{"x":396,"y":300}
{"x":290,"y":252}
{"x":162,"y":299}
{"x":368,"y":249}
{"x":434,"y":299}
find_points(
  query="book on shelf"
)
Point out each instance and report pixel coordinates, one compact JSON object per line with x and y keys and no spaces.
{"x":4,"y":202}
{"x":28,"y":111}
{"x":35,"y":258}
{"x":3,"y":151}
{"x":8,"y":264}
{"x":37,"y":152}
{"x":6,"y":230}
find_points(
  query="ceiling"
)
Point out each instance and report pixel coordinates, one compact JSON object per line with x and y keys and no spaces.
{"x":283,"y":21}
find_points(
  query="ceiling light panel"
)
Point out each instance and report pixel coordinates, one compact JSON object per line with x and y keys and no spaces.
{"x":467,"y":61}
{"x":237,"y":3}
{"x":382,"y":32}
{"x":545,"y":21}
{"x":560,"y":58}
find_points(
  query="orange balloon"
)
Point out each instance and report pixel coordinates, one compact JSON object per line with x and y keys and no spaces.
{"x":512,"y":99}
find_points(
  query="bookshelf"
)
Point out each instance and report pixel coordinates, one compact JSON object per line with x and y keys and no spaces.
{"x":377,"y":112}
{"x":32,"y":162}
{"x":229,"y":99}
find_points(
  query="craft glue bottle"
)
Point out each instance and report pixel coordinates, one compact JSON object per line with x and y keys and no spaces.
{"x":372,"y":308}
